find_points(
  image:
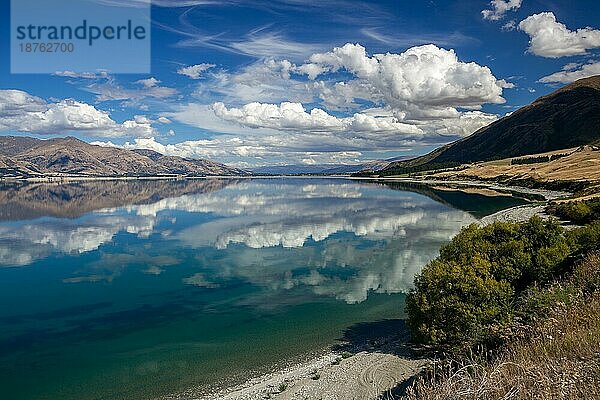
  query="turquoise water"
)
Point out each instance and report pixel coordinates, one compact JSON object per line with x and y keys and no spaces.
{"x":119,"y":290}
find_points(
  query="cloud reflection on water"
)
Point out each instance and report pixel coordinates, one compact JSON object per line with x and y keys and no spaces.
{"x":330,"y":238}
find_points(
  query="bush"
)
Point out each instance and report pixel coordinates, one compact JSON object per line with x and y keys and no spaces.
{"x":466,"y":296}
{"x":579,"y":212}
{"x":538,"y":303}
{"x":401,"y":170}
{"x":529,"y":160}
{"x":531,"y":287}
{"x":518,"y":253}
{"x":586,"y":238}
{"x":558,"y":156}
{"x":558,"y":359}
{"x":457,"y":304}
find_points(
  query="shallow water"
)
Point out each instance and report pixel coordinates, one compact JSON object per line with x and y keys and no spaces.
{"x":132,"y":290}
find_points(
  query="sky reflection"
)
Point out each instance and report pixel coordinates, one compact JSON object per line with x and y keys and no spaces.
{"x":330,"y":238}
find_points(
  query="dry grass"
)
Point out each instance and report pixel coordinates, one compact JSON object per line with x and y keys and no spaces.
{"x":581,"y":165}
{"x":558,"y":359}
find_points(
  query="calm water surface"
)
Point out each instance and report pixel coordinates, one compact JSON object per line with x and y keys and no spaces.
{"x":132,"y":290}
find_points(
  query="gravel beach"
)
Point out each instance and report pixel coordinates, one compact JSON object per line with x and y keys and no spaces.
{"x":374,"y":361}
{"x":365,"y":375}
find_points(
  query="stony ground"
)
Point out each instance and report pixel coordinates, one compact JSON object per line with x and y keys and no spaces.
{"x":361,"y":376}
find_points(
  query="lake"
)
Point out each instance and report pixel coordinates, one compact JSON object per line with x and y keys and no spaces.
{"x":137,"y":289}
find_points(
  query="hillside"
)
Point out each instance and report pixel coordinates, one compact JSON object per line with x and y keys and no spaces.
{"x":187,"y":166}
{"x":569,"y":117}
{"x":577,"y":164}
{"x":26,"y":157}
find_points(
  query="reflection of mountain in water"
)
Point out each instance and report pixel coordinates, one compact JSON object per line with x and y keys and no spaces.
{"x":478,"y":202}
{"x":19,"y":201}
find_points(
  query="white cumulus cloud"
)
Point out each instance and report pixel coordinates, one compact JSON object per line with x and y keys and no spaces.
{"x":426,"y":91}
{"x":423,"y":75}
{"x":293,"y":117}
{"x":552,"y":39}
{"x":148,"y":83}
{"x":22,"y":112}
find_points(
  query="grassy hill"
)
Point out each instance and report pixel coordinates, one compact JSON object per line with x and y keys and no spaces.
{"x":580,"y":164}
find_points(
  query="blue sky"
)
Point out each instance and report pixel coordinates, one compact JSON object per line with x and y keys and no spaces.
{"x":255,"y":83}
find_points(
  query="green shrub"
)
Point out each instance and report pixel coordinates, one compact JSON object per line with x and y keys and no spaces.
{"x":466,"y":295}
{"x":400,"y":170}
{"x":531,"y":287}
{"x":538,"y":303}
{"x":520,"y":253}
{"x":529,"y":160}
{"x":579,"y":212}
{"x":458,"y":304}
{"x":558,"y":156}
{"x":575,"y":212}
{"x":537,"y":159}
{"x":586,"y":238}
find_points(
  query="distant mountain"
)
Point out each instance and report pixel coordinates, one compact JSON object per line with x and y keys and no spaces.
{"x":294,"y":169}
{"x":566,"y":118}
{"x":325,"y":169}
{"x":13,"y":145}
{"x":25,"y":157}
{"x":151,"y":154}
{"x":189,"y":166}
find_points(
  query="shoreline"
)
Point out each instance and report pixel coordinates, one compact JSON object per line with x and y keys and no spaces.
{"x":368,"y":372}
{"x":548,"y":194}
{"x":516,"y":214}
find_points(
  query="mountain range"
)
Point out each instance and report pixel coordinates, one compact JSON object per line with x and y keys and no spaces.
{"x":566,"y":118}
{"x":325,"y":169}
{"x":30,"y":157}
